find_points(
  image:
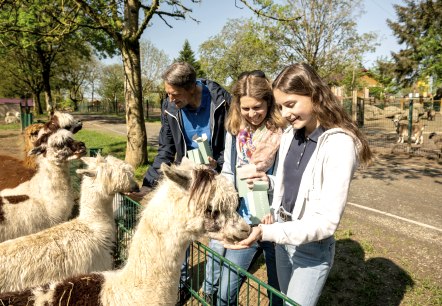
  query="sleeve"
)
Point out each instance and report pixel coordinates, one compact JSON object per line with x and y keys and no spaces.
{"x":326,"y":200}
{"x":227,"y":166}
{"x":166,"y":151}
{"x":220,"y":161}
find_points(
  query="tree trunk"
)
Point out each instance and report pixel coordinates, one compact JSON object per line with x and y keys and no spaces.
{"x":37,"y":103}
{"x":136,"y":150}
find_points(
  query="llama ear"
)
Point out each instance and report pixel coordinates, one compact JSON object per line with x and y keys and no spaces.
{"x":88,"y":160}
{"x":87,"y":172}
{"x":181,"y":177}
{"x":37,"y":150}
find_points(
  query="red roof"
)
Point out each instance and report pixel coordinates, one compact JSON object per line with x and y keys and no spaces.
{"x":16,"y":101}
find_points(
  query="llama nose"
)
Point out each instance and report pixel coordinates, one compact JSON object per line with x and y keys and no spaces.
{"x":79,"y":147}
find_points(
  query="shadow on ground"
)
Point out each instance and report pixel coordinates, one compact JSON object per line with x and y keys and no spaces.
{"x":356,"y":281}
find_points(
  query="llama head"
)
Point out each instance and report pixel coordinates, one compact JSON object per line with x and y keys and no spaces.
{"x":31,"y":132}
{"x":109,"y":175}
{"x":60,"y":147}
{"x":210,"y":201}
{"x":58,"y":121}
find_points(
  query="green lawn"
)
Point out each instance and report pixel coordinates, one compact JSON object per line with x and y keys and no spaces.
{"x":112,"y":145}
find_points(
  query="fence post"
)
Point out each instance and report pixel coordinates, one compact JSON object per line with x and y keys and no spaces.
{"x":354,"y":102}
{"x":410,"y":120}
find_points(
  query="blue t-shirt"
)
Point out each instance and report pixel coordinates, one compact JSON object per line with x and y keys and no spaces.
{"x":197,"y":121}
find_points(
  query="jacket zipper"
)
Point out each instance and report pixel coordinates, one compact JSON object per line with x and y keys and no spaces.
{"x":181,"y":131}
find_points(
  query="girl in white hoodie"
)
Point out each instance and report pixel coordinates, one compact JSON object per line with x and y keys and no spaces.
{"x":318,"y":155}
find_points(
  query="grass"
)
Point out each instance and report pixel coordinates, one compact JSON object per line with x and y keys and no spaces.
{"x":10,"y":127}
{"x":362,"y":274}
{"x":113,"y":145}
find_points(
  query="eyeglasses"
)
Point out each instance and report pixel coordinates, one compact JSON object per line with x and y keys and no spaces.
{"x":256,"y":73}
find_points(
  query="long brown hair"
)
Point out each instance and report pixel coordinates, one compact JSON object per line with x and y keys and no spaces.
{"x":253,"y":84}
{"x":302,"y":79}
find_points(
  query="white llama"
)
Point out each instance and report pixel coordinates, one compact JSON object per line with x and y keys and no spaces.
{"x":79,"y":246}
{"x":185,"y":206}
{"x":46,"y":199}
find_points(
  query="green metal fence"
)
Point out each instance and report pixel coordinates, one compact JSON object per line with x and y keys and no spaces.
{"x":253,"y":290}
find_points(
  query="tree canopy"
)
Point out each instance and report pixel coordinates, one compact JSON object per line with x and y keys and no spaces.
{"x":419,"y":29}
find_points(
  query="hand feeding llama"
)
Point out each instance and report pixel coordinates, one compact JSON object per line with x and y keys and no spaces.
{"x":79,"y":246}
{"x":46,"y":199}
{"x":186,"y":205}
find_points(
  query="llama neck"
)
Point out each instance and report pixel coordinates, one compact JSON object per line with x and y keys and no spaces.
{"x":52,"y":184}
{"x":158,"y":245}
{"x":95,"y":204}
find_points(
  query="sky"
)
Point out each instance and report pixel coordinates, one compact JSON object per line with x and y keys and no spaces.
{"x":213,"y":15}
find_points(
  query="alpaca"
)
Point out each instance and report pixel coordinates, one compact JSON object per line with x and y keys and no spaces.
{"x":186,"y":205}
{"x":12,"y":117}
{"x":46,"y":199}
{"x":79,"y":246}
{"x":35,"y":134}
{"x":58,"y":120}
{"x":416,"y":131}
{"x":30,"y":137}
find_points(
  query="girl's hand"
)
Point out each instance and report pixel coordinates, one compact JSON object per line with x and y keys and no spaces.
{"x":257,"y":176}
{"x":267,"y":219}
{"x":255,"y":235}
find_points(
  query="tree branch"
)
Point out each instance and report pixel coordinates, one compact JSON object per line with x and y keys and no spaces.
{"x":260,"y":13}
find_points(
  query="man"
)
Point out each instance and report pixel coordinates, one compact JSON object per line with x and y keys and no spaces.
{"x":192,"y":107}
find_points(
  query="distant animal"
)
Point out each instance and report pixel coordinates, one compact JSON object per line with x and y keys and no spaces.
{"x":79,"y":246}
{"x":436,"y":139}
{"x":416,"y":131}
{"x":199,"y":202}
{"x":431,"y":113}
{"x":12,"y":117}
{"x":46,"y":199}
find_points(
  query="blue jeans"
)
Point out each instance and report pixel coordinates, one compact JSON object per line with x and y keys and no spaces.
{"x":303,"y":269}
{"x":230,"y":282}
{"x":185,"y":276}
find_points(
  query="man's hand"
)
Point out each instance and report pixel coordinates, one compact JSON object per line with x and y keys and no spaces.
{"x":212,"y":162}
{"x":138,"y":196}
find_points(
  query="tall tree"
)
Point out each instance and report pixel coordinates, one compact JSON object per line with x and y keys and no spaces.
{"x":153,"y":63}
{"x":187,"y":55}
{"x":111,"y":87}
{"x":125,"y":22}
{"x":21,"y":75}
{"x":419,"y":29}
{"x":324,"y":35}
{"x":240,"y":46}
{"x":36,"y":26}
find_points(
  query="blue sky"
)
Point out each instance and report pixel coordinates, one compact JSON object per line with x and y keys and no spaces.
{"x":213,"y":15}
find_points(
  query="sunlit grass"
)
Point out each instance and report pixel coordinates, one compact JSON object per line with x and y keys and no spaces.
{"x":113,"y":145}
{"x":10,"y":127}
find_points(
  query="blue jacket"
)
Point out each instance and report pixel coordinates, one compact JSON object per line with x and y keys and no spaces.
{"x":172,"y":145}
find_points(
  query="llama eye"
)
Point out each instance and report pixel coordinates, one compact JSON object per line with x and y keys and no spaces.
{"x":212,"y":214}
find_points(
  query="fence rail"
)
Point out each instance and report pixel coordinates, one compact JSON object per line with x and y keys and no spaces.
{"x":252,"y":292}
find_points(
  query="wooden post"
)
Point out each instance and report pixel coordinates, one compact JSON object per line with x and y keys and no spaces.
{"x":354,"y":104}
